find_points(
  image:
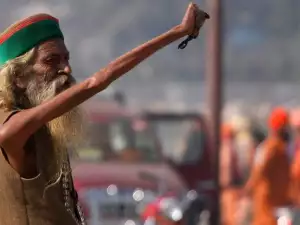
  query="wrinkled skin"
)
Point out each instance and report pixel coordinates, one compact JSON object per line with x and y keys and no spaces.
{"x":50,"y":68}
{"x":48,"y":74}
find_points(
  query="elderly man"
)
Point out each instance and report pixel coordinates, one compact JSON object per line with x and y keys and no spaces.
{"x":40,"y":120}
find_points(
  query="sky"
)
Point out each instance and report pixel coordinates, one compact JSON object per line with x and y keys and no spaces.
{"x":255,"y":49}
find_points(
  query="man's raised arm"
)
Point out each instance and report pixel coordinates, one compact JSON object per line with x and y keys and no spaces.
{"x":25,"y":123}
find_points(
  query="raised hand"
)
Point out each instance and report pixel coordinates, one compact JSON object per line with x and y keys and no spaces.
{"x":193,"y":20}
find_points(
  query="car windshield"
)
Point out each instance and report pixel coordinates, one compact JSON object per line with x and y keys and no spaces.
{"x":182,"y":139}
{"x":122,"y":140}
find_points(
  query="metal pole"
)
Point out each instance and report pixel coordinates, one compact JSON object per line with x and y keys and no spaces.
{"x":214,"y":87}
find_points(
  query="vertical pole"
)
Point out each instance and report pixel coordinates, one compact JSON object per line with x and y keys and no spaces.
{"x":214,"y":88}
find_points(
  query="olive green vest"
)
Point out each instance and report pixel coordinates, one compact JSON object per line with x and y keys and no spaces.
{"x":47,"y":199}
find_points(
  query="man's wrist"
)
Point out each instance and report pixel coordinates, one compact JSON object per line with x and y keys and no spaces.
{"x":178,"y":31}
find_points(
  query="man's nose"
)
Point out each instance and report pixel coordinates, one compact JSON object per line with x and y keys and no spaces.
{"x":66,"y":69}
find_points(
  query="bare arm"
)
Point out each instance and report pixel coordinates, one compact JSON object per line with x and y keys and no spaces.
{"x":259,"y":167}
{"x":103,"y":78}
{"x":32,"y":119}
{"x":22,"y":125}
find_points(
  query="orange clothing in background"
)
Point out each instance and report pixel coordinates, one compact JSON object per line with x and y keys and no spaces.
{"x":229,"y":206}
{"x":269,"y":181}
{"x":295,"y":173}
{"x":227,"y":176}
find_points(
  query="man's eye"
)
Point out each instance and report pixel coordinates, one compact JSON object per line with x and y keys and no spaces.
{"x":51,"y":60}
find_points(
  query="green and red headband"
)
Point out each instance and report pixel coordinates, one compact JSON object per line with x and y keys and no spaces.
{"x":26,"y":34}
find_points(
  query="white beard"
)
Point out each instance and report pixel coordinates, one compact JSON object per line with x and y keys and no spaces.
{"x":67,"y":130}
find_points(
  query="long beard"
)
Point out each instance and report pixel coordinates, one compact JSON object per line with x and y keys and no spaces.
{"x":67,"y":131}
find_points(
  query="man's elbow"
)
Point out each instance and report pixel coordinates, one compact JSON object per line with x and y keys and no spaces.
{"x":9,"y":141}
{"x":19,"y":128}
{"x":3,"y":138}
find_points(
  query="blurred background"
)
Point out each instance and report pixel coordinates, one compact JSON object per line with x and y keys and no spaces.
{"x":261,"y":47}
{"x":147,"y":133}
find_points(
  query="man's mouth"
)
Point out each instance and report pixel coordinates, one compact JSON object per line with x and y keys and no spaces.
{"x":62,"y":84}
{"x":67,"y":84}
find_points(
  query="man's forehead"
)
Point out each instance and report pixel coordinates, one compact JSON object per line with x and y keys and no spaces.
{"x":53,"y":45}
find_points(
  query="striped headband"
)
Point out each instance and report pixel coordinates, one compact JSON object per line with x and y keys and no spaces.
{"x":26,"y":34}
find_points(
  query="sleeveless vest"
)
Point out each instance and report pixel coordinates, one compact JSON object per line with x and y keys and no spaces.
{"x":47,"y":199}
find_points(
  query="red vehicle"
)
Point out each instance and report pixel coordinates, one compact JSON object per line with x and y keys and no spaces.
{"x":121,"y":168}
{"x":184,"y":141}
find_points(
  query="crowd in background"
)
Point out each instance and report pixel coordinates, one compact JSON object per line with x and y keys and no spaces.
{"x":259,"y":167}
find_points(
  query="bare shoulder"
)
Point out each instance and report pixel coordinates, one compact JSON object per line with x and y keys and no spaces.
{"x":15,"y":129}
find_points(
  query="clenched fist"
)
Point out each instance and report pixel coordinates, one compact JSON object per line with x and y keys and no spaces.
{"x":193,"y":20}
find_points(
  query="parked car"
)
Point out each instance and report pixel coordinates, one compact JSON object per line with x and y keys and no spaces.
{"x":184,"y":140}
{"x":121,"y":168}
